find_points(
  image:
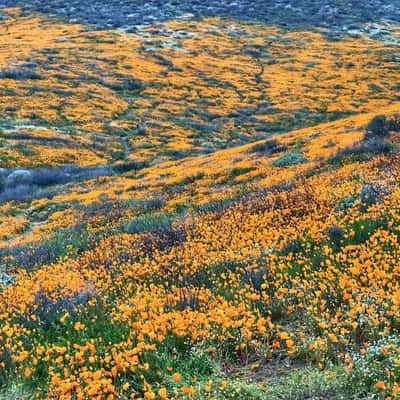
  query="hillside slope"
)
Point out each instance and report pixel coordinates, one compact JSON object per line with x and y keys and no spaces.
{"x":176,"y":89}
{"x":244,"y":264}
{"x":129,"y":15}
{"x":177,"y":226}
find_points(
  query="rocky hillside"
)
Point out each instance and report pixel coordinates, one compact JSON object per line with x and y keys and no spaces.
{"x":129,"y":15}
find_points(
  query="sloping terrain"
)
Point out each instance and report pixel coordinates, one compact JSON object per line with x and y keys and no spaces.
{"x":201,"y":209}
{"x":177,"y":89}
{"x":289,"y":13}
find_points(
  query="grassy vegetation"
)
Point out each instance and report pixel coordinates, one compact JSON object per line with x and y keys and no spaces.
{"x":205,"y":259}
{"x":128,"y":100}
{"x":247,"y":322}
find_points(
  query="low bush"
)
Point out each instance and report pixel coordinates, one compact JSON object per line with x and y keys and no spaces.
{"x":163,"y":239}
{"x":335,"y":234}
{"x":346,"y":203}
{"x":377,"y":127}
{"x":363,"y":150}
{"x":293,"y":246}
{"x":25,"y":185}
{"x":271,"y":146}
{"x":49,"y":176}
{"x":376,"y":145}
{"x":149,"y":223}
{"x":216,"y":206}
{"x":373,"y":142}
{"x":152,"y":204}
{"x":127,"y":166}
{"x":373,"y":193}
{"x":47,"y":312}
{"x":24,"y":193}
{"x":19,"y":74}
{"x":362,"y":229}
{"x":256,"y":277}
{"x":381,"y":126}
{"x":188,"y":299}
{"x":6,"y":280}
{"x":78,"y":173}
{"x":158,"y":231}
{"x":289,"y":159}
{"x":29,"y":257}
{"x":394,"y":123}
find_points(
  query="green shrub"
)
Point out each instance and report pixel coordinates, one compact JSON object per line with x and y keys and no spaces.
{"x":271,"y":146}
{"x":5,"y":279}
{"x":149,"y":223}
{"x":19,"y":74}
{"x":47,"y":312}
{"x":364,"y":228}
{"x":289,"y":159}
{"x":335,"y":234}
{"x":151,"y":204}
{"x":373,"y":193}
{"x":378,"y":126}
{"x":363,"y":150}
{"x":394,"y":123}
{"x":376,"y":145}
{"x":346,"y":203}
{"x":130,"y":165}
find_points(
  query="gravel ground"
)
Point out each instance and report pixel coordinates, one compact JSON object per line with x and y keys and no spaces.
{"x":128,"y":14}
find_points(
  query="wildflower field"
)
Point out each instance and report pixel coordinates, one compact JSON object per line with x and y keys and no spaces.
{"x":203,"y":209}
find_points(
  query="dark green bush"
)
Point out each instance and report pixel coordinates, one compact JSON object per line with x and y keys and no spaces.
{"x":394,"y":123}
{"x":20,"y":74}
{"x":376,"y":145}
{"x":346,"y":203}
{"x":48,"y":311}
{"x":335,"y":234}
{"x":271,"y":146}
{"x":377,"y":127}
{"x":149,"y":223}
{"x":289,"y":159}
{"x":126,"y":166}
{"x":363,"y":150}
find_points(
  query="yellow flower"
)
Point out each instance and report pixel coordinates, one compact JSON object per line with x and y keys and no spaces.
{"x":223,"y":384}
{"x":149,"y":395}
{"x":64,"y":317}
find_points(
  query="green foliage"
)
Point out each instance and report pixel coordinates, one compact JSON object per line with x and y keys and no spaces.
{"x":363,"y":229}
{"x":233,"y":390}
{"x":307,"y":384}
{"x":364,"y":150}
{"x":16,"y":392}
{"x":346,"y":203}
{"x":373,"y":366}
{"x":289,"y":159}
{"x":130,"y":165}
{"x":271,"y":146}
{"x":20,"y":74}
{"x":150,"y":223}
{"x":373,"y":193}
{"x":335,"y":234}
{"x":377,"y":127}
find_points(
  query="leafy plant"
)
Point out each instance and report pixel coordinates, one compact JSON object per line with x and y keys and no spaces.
{"x":289,"y":159}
